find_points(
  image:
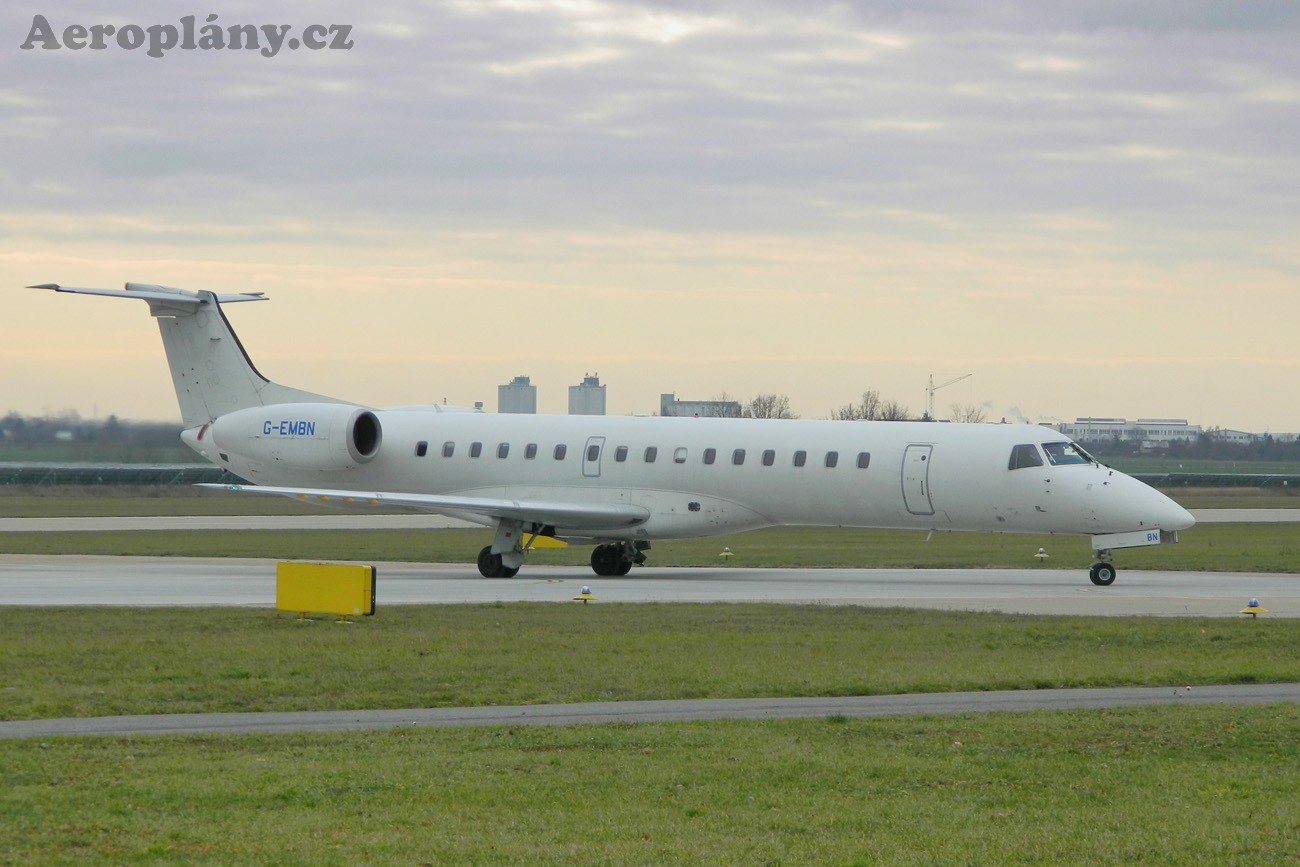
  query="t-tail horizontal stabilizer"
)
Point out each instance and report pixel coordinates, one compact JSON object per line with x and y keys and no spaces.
{"x":211,"y":372}
{"x":159,"y":294}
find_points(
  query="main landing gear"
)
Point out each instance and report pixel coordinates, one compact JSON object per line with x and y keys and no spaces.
{"x":617,"y":558}
{"x":1102,"y":573}
{"x":490,"y":565}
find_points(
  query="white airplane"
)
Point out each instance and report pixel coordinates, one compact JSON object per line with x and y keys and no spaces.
{"x":623,"y":482}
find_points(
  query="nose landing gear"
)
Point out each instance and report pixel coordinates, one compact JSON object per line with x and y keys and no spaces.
{"x":1102,"y":573}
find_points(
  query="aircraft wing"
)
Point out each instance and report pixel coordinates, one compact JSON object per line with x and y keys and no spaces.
{"x":569,"y":516}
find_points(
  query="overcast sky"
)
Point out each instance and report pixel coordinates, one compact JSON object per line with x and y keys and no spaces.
{"x":1093,"y":207}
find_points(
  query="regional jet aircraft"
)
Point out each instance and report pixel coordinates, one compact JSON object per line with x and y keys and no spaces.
{"x":623,"y":482}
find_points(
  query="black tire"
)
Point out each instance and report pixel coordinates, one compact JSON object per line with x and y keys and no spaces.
{"x":605,"y":560}
{"x":1102,"y":574}
{"x":489,"y":564}
{"x":624,"y":566}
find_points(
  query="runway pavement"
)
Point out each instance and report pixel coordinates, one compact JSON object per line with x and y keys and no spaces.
{"x":101,"y":580}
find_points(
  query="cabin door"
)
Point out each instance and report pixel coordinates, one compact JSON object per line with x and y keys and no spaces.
{"x":591,"y":457}
{"x":916,"y":479}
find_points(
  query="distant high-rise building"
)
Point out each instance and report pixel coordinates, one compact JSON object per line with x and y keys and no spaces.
{"x":519,"y":395}
{"x":588,"y":397}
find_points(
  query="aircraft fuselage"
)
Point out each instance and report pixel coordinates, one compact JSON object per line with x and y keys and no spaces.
{"x":703,"y":476}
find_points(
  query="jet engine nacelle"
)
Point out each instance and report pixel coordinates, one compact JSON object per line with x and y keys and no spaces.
{"x":309,"y":436}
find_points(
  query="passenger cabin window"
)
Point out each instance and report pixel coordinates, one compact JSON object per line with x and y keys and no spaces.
{"x":800,"y":458}
{"x":1023,"y":456}
{"x":421,"y":448}
{"x":769,"y":457}
{"x":710,"y":455}
{"x":832,"y":459}
{"x":593,"y":453}
{"x":620,"y":454}
{"x":679,"y":455}
{"x":475,"y":449}
{"x":503,"y":450}
{"x":530,"y":451}
{"x":448,"y":449}
{"x":560,"y":451}
{"x":651,"y":452}
{"x":738,"y":457}
{"x":1064,"y":454}
{"x":864,"y":460}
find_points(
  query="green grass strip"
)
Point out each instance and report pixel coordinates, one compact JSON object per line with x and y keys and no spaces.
{"x":1179,"y":785}
{"x":104,"y":661}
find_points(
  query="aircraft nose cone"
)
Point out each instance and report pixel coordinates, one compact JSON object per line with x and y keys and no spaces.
{"x":1166,"y":514}
{"x":1176,"y":517}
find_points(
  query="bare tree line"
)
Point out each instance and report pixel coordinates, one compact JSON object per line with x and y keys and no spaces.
{"x":870,"y":407}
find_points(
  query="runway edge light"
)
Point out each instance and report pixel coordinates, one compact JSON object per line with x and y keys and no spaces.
{"x":1253,"y":608}
{"x":325,"y":588}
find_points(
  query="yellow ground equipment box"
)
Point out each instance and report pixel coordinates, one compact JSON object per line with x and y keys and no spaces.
{"x":325,"y":588}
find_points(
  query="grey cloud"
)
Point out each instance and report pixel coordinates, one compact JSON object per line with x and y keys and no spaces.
{"x":782,"y":117}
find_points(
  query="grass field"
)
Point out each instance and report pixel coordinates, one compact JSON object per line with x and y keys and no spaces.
{"x":1155,"y":464}
{"x":142,"y":502}
{"x":103,"y":661}
{"x":1155,"y":785}
{"x":1161,"y":786}
{"x":1194,"y":785}
{"x":103,"y":453}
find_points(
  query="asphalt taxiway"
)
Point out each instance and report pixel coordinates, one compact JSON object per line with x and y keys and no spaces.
{"x":922,"y":704}
{"x":101,"y":580}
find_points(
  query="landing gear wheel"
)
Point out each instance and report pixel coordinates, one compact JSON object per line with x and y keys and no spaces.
{"x":606,"y":560}
{"x":1102,"y":574}
{"x":624,"y":567}
{"x":490,"y":565}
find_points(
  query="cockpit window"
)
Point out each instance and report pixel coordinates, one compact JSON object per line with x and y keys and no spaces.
{"x":1063,"y":454}
{"x":1024,"y":456}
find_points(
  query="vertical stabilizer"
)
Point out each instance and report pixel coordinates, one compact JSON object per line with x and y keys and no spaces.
{"x":212,"y":373}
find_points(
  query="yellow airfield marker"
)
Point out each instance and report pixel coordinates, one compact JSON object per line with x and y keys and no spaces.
{"x":1253,"y":608}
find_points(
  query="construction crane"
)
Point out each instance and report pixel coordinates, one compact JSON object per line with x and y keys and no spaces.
{"x":932,"y":388}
